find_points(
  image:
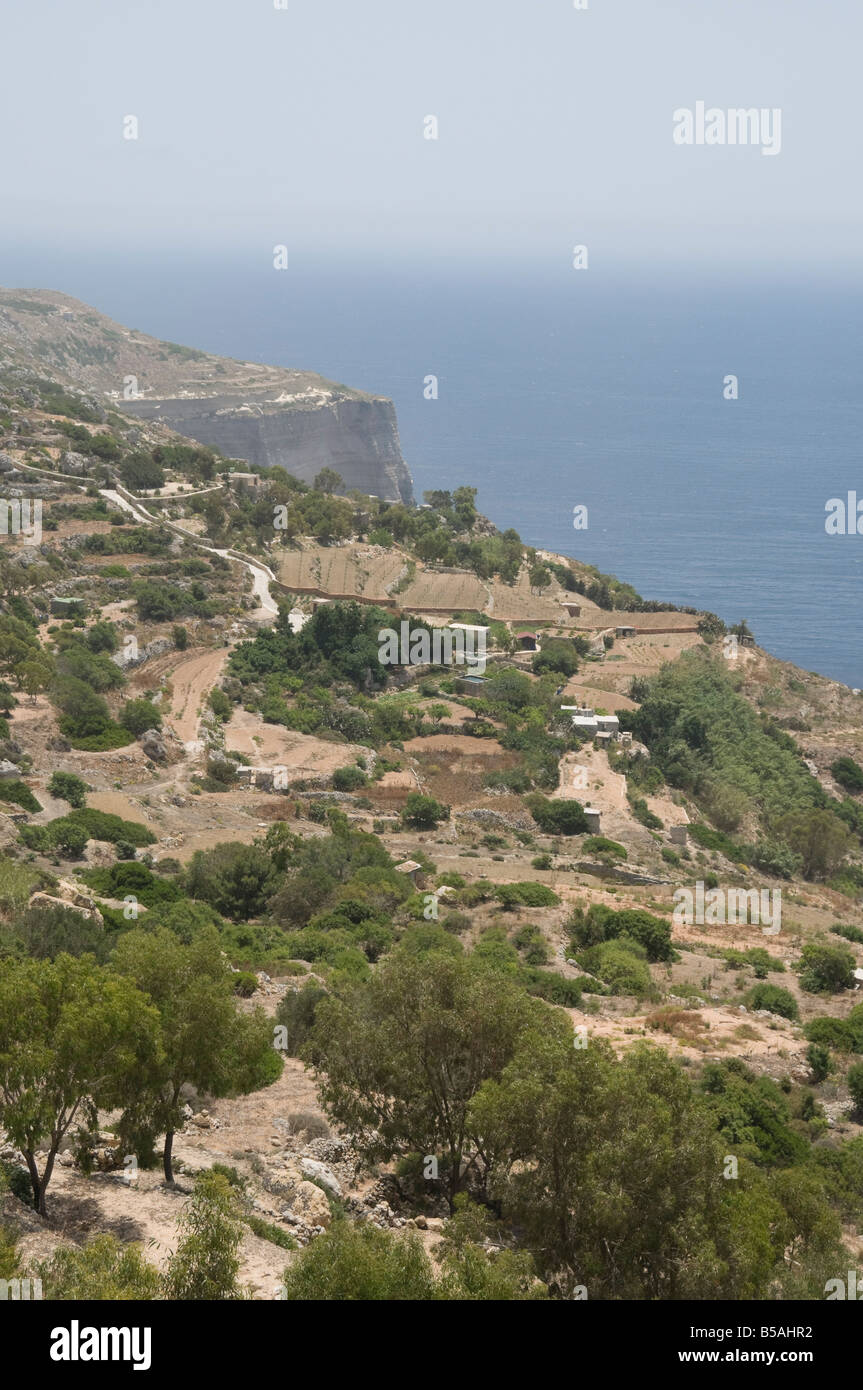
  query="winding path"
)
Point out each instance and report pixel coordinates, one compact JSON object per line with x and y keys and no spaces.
{"x":262,"y":575}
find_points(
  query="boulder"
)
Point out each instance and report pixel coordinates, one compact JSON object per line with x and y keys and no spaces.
{"x":322,"y":1174}
{"x":153,"y":746}
{"x":101,"y":854}
{"x":311,"y":1205}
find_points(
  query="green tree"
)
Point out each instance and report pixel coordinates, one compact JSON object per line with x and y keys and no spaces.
{"x":139,"y":715}
{"x":328,"y":480}
{"x":74,"y":1038}
{"x":540,"y":577}
{"x":614,"y":1173}
{"x":204,"y":1040}
{"x":235,"y":879}
{"x":401,"y":1056}
{"x":819,"y":837}
{"x":423,"y":812}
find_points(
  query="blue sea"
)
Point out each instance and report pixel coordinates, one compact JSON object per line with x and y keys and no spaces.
{"x":582,"y":388}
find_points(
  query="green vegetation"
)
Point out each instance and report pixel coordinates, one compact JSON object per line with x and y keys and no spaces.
{"x":67,"y":787}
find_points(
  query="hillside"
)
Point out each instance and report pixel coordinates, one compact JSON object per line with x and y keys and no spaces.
{"x":219,"y":804}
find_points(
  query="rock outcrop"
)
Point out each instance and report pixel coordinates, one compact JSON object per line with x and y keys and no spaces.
{"x":263,"y":414}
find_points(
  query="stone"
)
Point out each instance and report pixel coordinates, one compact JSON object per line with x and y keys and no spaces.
{"x":153,"y":746}
{"x":311,"y":1205}
{"x":319,"y":1171}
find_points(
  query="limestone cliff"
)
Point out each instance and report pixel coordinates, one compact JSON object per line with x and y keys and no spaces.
{"x":265,"y":415}
{"x":357,"y":437}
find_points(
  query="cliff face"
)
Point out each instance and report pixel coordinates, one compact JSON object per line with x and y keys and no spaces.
{"x":357,"y":437}
{"x":265,"y":415}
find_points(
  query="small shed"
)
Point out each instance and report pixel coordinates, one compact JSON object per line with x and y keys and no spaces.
{"x":526,"y":640}
{"x":67,"y":607}
{"x":250,"y":480}
{"x":573,"y":609}
{"x":592,"y":816}
{"x":607,"y":723}
{"x":624,"y":632}
{"x":625,"y":738}
{"x":603,"y":739}
{"x":412,"y":869}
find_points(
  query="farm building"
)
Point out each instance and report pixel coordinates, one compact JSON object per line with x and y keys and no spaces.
{"x":250,"y":480}
{"x":412,"y":869}
{"x":67,"y":607}
{"x":526,"y":640}
{"x":607,"y":723}
{"x":265,"y":778}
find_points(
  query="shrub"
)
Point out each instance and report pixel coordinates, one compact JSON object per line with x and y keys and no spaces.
{"x":423,"y":812}
{"x":220,"y":704}
{"x":70,"y":840}
{"x":599,"y":844}
{"x":245,"y":984}
{"x":830,"y":1032}
{"x":818,"y":1058}
{"x":621,"y":965}
{"x":855,"y":1084}
{"x":67,"y":787}
{"x":139,"y":715}
{"x":349,"y":779}
{"x":296,"y":1013}
{"x":854,"y":934}
{"x":772,"y":997}
{"x":825,"y":969}
{"x":19,"y":794}
{"x":643,"y":813}
{"x":848,"y":774}
{"x":564,"y":817}
{"x":102,"y":825}
{"x":526,"y":895}
{"x":601,"y":923}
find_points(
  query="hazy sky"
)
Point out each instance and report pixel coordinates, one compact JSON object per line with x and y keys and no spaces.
{"x":304,"y":126}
